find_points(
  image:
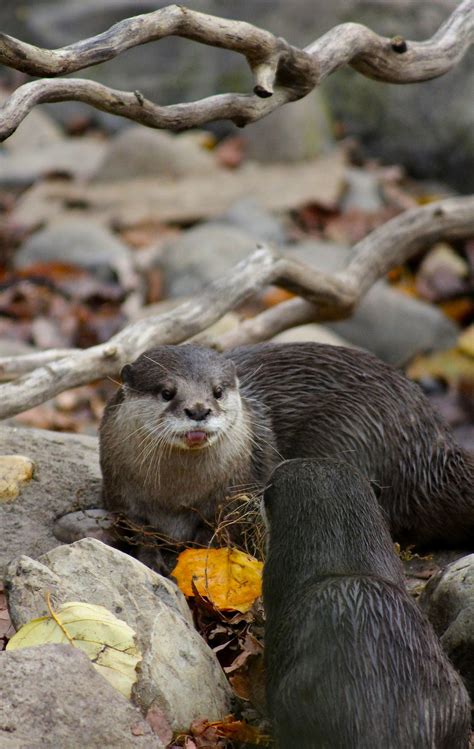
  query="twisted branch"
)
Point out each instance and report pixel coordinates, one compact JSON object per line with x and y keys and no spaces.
{"x":282,"y":72}
{"x":326,"y":297}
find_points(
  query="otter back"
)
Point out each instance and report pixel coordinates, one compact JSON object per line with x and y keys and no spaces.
{"x":350,"y":659}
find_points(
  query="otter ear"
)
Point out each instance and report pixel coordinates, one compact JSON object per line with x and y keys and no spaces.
{"x":126,"y":375}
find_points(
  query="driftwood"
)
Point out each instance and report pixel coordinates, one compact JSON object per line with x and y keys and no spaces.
{"x":325,"y":297}
{"x":282,"y":73}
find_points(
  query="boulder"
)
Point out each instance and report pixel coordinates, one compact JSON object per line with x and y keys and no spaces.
{"x":448,"y":601}
{"x":391,"y":325}
{"x":72,"y":157}
{"x":139,"y":152}
{"x":179,"y":674}
{"x":202,"y":254}
{"x":66,"y":477}
{"x":52,"y":696}
{"x":82,"y":243}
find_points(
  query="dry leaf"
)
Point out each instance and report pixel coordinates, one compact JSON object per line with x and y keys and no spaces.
{"x":109,"y":642}
{"x":14,"y":470}
{"x":231,"y":579}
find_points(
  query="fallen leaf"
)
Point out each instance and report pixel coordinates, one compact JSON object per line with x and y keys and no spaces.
{"x":231,"y":579}
{"x":14,"y":470}
{"x":466,"y":341}
{"x":109,"y":642}
{"x":451,"y":366}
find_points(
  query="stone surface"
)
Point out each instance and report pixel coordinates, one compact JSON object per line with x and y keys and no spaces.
{"x":393,"y":326}
{"x":51,"y":696}
{"x":294,"y":133}
{"x":139,"y":152}
{"x":76,"y":157}
{"x":448,"y":601}
{"x":66,"y":478}
{"x":362,"y":191}
{"x":312,"y":332}
{"x":36,"y":131}
{"x":178,"y":673}
{"x":81,"y":243}
{"x":248,"y":214}
{"x":201,"y":254}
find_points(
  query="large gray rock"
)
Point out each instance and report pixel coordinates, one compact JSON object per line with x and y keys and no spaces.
{"x":448,"y":601}
{"x":75,"y":157}
{"x":296,"y":132}
{"x":248,"y":215}
{"x":139,"y":152}
{"x":391,"y":325}
{"x":66,"y":478}
{"x":81,"y":243}
{"x":52,"y":697}
{"x":202,"y":254}
{"x":179,"y":673}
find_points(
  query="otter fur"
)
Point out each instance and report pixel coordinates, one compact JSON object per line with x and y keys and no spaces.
{"x":190,"y":426}
{"x":350,"y":659}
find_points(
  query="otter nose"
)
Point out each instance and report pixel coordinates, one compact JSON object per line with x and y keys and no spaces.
{"x":198,"y":412}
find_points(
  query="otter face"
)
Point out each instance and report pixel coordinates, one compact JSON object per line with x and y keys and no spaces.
{"x":186,"y":396}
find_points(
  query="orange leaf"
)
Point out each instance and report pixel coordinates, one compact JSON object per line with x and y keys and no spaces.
{"x":230,"y":579}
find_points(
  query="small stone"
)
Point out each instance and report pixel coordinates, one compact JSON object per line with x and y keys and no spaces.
{"x":248,"y":215}
{"x":14,"y":470}
{"x":93,"y":523}
{"x":362,"y":191}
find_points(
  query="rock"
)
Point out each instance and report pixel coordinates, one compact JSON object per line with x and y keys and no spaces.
{"x":35,"y":132}
{"x":248,"y":215}
{"x":75,"y":157}
{"x":51,"y":696}
{"x":66,"y":478}
{"x":312,"y":332}
{"x":295,"y":133}
{"x":202,"y":254}
{"x":362,"y":191}
{"x":391,"y":325}
{"x":442,"y":274}
{"x":179,"y":673}
{"x":81,"y":243}
{"x":9,"y":347}
{"x":93,"y":523}
{"x":139,"y":152}
{"x":448,"y":601}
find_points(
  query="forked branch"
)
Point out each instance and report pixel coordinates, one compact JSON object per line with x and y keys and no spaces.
{"x":326,"y":297}
{"x":282,"y":73}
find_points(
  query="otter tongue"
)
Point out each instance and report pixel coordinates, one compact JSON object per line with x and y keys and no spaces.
{"x":196,"y":437}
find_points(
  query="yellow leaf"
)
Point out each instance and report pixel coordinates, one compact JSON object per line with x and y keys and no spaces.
{"x":451,"y":366}
{"x":230,"y":579}
{"x":466,"y":341}
{"x":109,"y":642}
{"x":14,"y":470}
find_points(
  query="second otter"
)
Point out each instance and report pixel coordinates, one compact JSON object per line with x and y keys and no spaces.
{"x":350,"y":659}
{"x":190,"y":426}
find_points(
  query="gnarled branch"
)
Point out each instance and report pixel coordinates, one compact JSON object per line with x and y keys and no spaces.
{"x":282,"y":72}
{"x":326,"y":297}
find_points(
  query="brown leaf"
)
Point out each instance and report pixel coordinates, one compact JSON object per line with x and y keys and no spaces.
{"x":159,"y":723}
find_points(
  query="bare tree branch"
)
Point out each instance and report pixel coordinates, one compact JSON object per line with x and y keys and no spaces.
{"x":282,"y":73}
{"x":328,"y":297}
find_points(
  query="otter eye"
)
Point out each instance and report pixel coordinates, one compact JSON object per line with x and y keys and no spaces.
{"x":168,"y":395}
{"x":218,"y":392}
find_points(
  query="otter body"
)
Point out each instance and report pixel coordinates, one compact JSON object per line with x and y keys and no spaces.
{"x":350,"y":659}
{"x":170,"y":463}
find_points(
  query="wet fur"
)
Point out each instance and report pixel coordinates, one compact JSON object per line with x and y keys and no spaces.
{"x":350,"y":659}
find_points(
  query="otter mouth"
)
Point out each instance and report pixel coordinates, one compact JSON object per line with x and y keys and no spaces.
{"x":196,"y":438}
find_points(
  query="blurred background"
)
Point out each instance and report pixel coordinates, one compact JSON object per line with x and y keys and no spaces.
{"x":103,"y":221}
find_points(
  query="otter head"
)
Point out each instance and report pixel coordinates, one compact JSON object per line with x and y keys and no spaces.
{"x":325,"y":513}
{"x":186,"y":396}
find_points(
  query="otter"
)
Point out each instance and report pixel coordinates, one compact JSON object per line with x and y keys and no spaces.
{"x":189,"y":427}
{"x":350,"y":659}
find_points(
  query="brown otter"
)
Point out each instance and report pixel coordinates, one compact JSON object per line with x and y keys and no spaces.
{"x":183,"y":432}
{"x":350,"y":659}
